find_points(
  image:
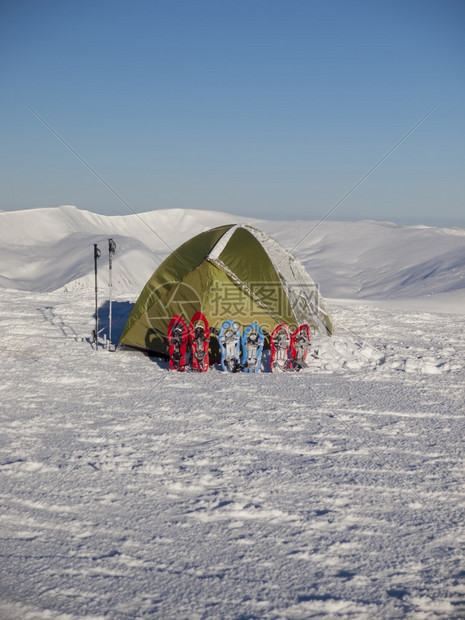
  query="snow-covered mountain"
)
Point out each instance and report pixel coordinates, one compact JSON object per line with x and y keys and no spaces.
{"x":51,"y":248}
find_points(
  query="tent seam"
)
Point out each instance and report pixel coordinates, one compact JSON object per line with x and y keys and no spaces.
{"x":219,"y":263}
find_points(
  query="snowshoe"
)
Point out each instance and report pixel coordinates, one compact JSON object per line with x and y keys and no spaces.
{"x":177,"y":343}
{"x":300,"y":344}
{"x":252,"y":347}
{"x":229,"y":339}
{"x":280,"y":341}
{"x":199,"y":334}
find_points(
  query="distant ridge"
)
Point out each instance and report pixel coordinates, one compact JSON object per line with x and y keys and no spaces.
{"x":50,"y":248}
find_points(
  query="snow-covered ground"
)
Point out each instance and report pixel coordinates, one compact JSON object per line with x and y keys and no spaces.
{"x":129,"y":491}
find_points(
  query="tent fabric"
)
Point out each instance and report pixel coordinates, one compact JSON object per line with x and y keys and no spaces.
{"x":230,"y":272}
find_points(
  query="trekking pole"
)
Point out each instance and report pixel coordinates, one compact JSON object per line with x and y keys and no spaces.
{"x":97,"y":254}
{"x":111,"y":251}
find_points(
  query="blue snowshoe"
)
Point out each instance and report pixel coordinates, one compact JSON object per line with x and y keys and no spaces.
{"x":252,"y":347}
{"x":229,"y":339}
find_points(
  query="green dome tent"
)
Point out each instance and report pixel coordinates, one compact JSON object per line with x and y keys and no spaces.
{"x":230,"y":272}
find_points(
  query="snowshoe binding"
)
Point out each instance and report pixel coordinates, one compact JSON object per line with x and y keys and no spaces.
{"x":252,"y":347}
{"x":177,"y":343}
{"x":229,"y":339}
{"x":280,"y":341}
{"x":300,"y":344}
{"x":199,"y":334}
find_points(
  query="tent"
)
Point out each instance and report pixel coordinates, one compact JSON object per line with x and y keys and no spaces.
{"x":230,"y":272}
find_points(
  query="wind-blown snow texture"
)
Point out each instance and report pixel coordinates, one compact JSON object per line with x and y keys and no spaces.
{"x":129,"y":491}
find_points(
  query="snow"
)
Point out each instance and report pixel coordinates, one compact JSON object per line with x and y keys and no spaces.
{"x":350,"y":260}
{"x":129,"y":491}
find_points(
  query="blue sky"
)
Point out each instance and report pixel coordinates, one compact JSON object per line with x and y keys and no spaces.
{"x":271,"y":108}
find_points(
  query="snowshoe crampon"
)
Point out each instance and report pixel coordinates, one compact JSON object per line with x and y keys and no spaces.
{"x":280,"y":342}
{"x":252,"y":347}
{"x":177,"y":343}
{"x":199,"y":334}
{"x":229,"y":339}
{"x":300,"y":344}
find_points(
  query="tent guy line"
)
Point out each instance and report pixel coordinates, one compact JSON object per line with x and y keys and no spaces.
{"x":99,"y":177}
{"x":372,"y":169}
{"x":86,"y":454}
{"x":365,"y":443}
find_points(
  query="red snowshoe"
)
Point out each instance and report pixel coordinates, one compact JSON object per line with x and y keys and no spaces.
{"x":199,"y":333}
{"x":300,"y":343}
{"x":280,"y":342}
{"x":177,"y":343}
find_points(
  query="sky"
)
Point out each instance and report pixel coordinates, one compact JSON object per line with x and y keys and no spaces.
{"x":267,"y":108}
